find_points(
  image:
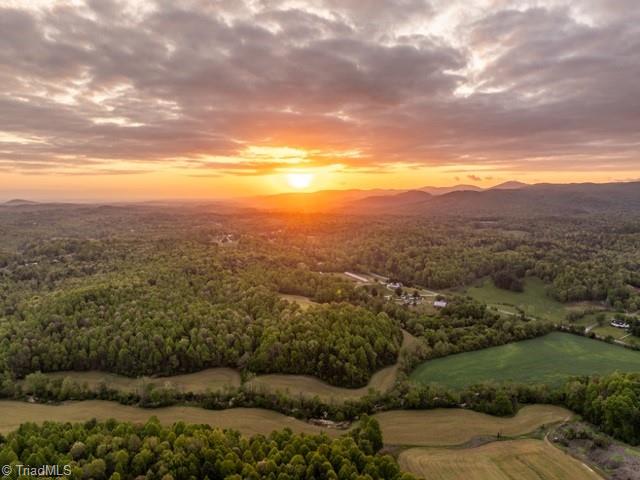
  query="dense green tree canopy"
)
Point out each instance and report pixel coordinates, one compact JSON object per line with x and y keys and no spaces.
{"x":115,"y":450}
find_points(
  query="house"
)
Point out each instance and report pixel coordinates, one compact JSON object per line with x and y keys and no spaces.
{"x":440,"y":303}
{"x":619,"y":324}
{"x":394,"y":285}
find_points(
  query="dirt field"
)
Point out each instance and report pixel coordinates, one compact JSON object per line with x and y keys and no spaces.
{"x":214,"y":379}
{"x":507,"y":460}
{"x":445,"y":427}
{"x":249,"y":421}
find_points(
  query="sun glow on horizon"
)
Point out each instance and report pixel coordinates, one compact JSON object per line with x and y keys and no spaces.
{"x":299,"y":181}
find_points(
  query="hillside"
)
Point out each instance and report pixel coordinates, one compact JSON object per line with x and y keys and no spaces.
{"x":329,"y":200}
{"x":323,"y":200}
{"x":510,"y":185}
{"x":15,"y":202}
{"x":455,"y":188}
{"x":539,"y":199}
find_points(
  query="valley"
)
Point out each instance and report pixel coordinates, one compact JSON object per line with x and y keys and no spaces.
{"x":465,"y":341}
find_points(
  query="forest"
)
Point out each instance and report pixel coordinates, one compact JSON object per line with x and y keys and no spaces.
{"x":118,"y":450}
{"x":148,"y":291}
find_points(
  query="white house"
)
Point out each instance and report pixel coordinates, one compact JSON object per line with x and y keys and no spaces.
{"x":440,"y":303}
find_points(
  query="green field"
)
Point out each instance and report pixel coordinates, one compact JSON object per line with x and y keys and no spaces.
{"x":549,"y":359}
{"x":534,"y":300}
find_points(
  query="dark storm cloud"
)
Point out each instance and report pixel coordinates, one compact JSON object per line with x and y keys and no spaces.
{"x":523,"y":88}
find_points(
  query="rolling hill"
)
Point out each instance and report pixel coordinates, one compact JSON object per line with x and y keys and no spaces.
{"x":539,"y":200}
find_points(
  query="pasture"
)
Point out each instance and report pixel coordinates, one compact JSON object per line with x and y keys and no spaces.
{"x":549,"y":359}
{"x":506,"y":460}
{"x":534,"y":300}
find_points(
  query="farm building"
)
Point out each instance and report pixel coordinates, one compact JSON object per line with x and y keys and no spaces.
{"x":359,"y":278}
{"x":440,"y":303}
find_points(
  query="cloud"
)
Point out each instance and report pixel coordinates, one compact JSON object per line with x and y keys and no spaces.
{"x":475,"y":178}
{"x":502,"y":85}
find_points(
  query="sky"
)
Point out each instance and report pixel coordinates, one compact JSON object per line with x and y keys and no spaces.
{"x":103,"y":99}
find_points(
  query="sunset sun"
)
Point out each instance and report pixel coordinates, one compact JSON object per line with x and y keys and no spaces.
{"x":299,"y":180}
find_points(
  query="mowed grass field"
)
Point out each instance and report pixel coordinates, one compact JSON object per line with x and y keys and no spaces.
{"x":506,"y":460}
{"x":448,"y":427}
{"x":534,"y":300}
{"x":212,"y":379}
{"x":249,"y":421}
{"x":549,"y":360}
{"x":309,"y":387}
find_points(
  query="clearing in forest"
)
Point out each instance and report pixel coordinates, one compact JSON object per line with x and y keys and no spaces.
{"x":304,"y":302}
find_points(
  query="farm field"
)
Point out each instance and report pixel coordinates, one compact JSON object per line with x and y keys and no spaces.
{"x":522,"y":459}
{"x":549,"y":359}
{"x":534,"y":300}
{"x":305,"y":386}
{"x":249,"y":421}
{"x":440,"y":427}
{"x":448,"y":427}
{"x":213,"y":379}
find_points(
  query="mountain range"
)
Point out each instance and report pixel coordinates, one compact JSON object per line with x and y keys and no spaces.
{"x":509,"y":198}
{"x":326,"y":200}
